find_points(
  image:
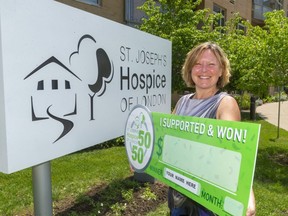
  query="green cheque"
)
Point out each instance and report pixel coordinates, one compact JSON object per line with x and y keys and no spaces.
{"x":211,"y":161}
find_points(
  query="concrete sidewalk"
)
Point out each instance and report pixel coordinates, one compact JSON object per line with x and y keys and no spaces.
{"x":269,"y":112}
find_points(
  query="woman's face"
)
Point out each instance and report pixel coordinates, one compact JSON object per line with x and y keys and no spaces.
{"x":207,"y":70}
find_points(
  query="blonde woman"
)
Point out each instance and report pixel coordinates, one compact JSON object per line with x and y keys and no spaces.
{"x":207,"y":69}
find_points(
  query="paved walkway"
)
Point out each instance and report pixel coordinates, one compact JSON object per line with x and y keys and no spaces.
{"x":269,"y":112}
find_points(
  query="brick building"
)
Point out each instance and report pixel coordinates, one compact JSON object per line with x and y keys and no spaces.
{"x":110,"y":9}
{"x":251,"y":10}
{"x":126,"y":12}
{"x":122,"y":11}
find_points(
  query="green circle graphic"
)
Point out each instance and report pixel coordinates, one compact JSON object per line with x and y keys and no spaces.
{"x":139,"y":137}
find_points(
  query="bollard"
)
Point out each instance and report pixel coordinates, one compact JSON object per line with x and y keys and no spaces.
{"x":252,"y":108}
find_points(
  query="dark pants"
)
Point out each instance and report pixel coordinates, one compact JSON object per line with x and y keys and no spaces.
{"x":181,"y":205}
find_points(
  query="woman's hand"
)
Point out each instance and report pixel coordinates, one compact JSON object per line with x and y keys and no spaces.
{"x":251,"y":210}
{"x":131,"y":169}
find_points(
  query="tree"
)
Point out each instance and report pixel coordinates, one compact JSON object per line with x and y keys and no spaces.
{"x":259,"y":58}
{"x":276,"y":25}
{"x":260,"y":55}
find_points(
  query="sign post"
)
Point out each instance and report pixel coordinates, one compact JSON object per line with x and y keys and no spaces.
{"x":211,"y":161}
{"x":42,"y":189}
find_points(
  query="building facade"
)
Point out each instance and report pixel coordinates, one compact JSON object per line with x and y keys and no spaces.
{"x":251,"y":10}
{"x":126,"y":12}
{"x":122,"y":11}
{"x":110,"y":9}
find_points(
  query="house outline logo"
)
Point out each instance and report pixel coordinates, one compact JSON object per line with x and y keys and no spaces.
{"x":97,"y":87}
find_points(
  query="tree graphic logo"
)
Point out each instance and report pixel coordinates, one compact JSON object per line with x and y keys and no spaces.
{"x":55,"y":83}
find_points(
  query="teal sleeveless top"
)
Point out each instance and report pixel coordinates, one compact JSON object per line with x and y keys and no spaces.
{"x":205,"y":108}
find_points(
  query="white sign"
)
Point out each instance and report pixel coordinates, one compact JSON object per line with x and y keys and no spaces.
{"x":68,"y":80}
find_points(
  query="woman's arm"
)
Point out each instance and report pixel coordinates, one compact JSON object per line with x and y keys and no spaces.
{"x":228,"y":109}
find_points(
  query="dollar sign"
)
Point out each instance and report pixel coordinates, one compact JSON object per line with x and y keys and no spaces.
{"x":159,"y":144}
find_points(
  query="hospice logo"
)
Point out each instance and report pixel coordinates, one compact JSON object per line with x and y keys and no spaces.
{"x":57,"y":85}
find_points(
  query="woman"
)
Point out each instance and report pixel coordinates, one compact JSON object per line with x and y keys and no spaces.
{"x":207,"y":69}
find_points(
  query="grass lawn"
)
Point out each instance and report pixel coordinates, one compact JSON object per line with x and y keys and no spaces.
{"x":271,"y":175}
{"x":74,"y":175}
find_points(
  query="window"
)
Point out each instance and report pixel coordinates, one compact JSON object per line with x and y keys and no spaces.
{"x":258,"y":12}
{"x":262,"y":6}
{"x":217,"y":9}
{"x":91,"y":2}
{"x":240,"y":26}
{"x":132,"y":14}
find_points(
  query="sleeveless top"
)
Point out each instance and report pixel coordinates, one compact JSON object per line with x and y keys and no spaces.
{"x":205,"y":108}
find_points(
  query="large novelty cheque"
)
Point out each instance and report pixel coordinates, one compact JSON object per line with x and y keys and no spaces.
{"x":211,"y":161}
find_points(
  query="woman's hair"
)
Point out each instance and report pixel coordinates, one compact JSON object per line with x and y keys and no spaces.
{"x":193,"y":56}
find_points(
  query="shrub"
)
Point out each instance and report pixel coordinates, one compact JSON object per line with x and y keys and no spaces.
{"x":243,"y":100}
{"x":275,"y":97}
